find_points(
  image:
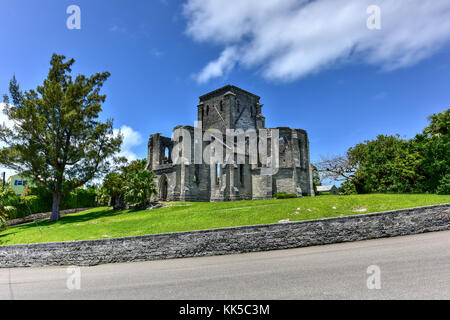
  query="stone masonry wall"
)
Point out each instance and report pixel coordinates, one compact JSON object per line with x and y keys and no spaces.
{"x":230,"y":240}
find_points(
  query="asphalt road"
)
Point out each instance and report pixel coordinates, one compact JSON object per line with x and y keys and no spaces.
{"x":411,"y":267}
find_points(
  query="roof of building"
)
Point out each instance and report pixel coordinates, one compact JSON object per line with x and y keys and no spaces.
{"x":16,"y":176}
{"x":224,"y":90}
{"x":325,"y":188}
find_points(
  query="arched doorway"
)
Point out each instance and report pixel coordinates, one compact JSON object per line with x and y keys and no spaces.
{"x":163,"y":188}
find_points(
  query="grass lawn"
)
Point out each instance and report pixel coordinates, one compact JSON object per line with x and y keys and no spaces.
{"x":184,"y":216}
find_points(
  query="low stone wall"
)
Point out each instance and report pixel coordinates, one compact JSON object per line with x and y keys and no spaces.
{"x":230,"y":240}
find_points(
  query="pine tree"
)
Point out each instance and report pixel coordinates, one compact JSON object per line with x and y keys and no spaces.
{"x":57,"y":138}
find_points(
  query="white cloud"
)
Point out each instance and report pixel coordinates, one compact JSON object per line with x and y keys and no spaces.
{"x":219,"y":67}
{"x":289,"y":39}
{"x":131,"y":139}
{"x":8,"y":172}
{"x":4,"y":120}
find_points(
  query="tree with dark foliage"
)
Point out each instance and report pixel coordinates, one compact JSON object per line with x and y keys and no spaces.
{"x":57,"y":138}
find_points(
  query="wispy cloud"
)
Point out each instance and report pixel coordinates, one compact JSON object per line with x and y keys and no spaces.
{"x":156,"y":52}
{"x":220,"y":67}
{"x":286,"y":40}
{"x":380,"y":96}
{"x":116,"y":28}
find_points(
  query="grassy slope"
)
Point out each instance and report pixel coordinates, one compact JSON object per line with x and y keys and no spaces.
{"x":181,"y":216}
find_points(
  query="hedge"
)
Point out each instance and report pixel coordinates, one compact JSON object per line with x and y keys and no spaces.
{"x":39,"y":200}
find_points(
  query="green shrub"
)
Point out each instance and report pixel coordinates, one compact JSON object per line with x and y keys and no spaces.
{"x":39,"y":200}
{"x":284,"y":195}
{"x":44,"y":196}
{"x":348,"y":188}
{"x":79,"y":198}
{"x":33,"y":204}
{"x":10,"y":203}
{"x":8,"y":212}
{"x":139,"y":188}
{"x":2,"y":222}
{"x":444,"y":185}
{"x":87,"y":198}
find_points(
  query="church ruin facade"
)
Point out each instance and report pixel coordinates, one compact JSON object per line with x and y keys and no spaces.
{"x":207,"y":163}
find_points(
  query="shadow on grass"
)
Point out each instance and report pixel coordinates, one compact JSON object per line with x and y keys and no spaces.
{"x":2,"y":242}
{"x":6,"y":234}
{"x":73,"y":218}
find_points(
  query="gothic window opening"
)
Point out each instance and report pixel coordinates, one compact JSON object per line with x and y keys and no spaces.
{"x":283,"y":147}
{"x":166,"y":155}
{"x":213,"y":148}
{"x":180,"y":154}
{"x":197,"y":173}
{"x":163,"y":188}
{"x":302,"y":154}
{"x":284,"y":144}
{"x":259,"y":157}
{"x":218,"y":173}
{"x":241,"y":174}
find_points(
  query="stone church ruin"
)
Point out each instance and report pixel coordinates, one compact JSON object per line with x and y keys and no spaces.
{"x":230,"y":154}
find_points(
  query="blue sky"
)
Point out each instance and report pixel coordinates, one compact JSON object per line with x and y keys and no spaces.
{"x":315,"y":64}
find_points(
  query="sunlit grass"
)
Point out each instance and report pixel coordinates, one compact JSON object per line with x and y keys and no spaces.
{"x":101,"y":223}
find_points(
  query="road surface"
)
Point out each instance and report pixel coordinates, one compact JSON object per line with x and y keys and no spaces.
{"x":411,"y":267}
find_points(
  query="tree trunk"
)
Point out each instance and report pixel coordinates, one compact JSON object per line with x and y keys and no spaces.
{"x":55,"y":207}
{"x":359,"y":185}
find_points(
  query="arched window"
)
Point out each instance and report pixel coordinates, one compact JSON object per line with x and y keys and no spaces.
{"x":213,"y":149}
{"x":197,"y":173}
{"x":180,"y":154}
{"x":283,"y":141}
{"x":166,"y":155}
{"x":218,"y":173}
{"x":241,"y":174}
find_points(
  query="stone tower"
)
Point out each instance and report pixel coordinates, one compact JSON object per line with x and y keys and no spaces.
{"x":230,"y":108}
